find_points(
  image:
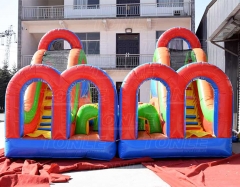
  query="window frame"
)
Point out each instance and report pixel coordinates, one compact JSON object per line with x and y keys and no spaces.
{"x":94,"y":92}
{"x":84,"y":4}
{"x":87,"y":41}
{"x":170,"y":3}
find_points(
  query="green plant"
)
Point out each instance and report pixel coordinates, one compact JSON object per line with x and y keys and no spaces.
{"x":5,"y":76}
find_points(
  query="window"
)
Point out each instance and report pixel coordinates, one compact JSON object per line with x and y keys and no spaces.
{"x":170,"y":3}
{"x":90,"y":42}
{"x":57,"y":45}
{"x":94,"y":93}
{"x":176,"y":43}
{"x":86,"y":4}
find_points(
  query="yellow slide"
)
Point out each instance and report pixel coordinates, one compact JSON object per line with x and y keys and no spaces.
{"x":44,"y":126}
{"x":193,"y":121}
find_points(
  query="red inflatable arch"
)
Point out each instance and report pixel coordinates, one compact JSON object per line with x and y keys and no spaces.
{"x":225,"y":92}
{"x":59,"y":85}
{"x":129,"y":90}
{"x":52,"y":35}
{"x":178,"y":32}
{"x":13,"y":99}
{"x":177,"y":83}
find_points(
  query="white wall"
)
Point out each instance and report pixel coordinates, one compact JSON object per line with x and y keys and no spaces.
{"x":145,"y":92}
{"x":220,"y":11}
{"x":55,"y":2}
{"x":107,"y":8}
{"x":29,"y":43}
{"x":118,"y":76}
{"x":108,"y":37}
{"x":34,"y":2}
{"x":42,"y":2}
{"x":114,"y":26}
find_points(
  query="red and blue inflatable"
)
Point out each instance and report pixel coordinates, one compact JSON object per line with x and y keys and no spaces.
{"x":50,"y":114}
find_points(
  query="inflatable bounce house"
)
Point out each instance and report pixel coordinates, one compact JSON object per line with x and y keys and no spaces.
{"x":46,"y":111}
{"x":50,"y":114}
{"x":185,"y":117}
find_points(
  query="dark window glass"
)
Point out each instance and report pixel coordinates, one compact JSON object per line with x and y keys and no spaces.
{"x":159,"y":33}
{"x":93,"y":36}
{"x":90,"y":42}
{"x":176,"y":43}
{"x":57,"y":45}
{"x":84,"y":43}
{"x":82,"y":36}
{"x":93,"y":2}
{"x":93,"y":47}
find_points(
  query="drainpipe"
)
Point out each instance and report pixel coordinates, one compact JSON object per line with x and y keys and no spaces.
{"x":192,"y":4}
{"x":238,"y":88}
{"x":19,"y":42}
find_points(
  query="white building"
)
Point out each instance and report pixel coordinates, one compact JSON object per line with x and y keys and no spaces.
{"x":117,"y":35}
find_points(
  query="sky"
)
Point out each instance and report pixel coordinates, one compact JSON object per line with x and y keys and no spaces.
{"x":200,"y":6}
{"x":9,"y":16}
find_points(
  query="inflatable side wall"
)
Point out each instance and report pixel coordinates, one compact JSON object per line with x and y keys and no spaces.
{"x":58,"y":97}
{"x":190,"y":112}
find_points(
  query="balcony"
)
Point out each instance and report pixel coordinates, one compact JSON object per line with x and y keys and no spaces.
{"x":105,"y":11}
{"x":110,"y":61}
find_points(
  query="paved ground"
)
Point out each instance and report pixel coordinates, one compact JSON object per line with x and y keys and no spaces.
{"x":134,"y":176}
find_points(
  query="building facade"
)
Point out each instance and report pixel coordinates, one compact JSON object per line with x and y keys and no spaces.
{"x":218,"y":32}
{"x":116,"y":35}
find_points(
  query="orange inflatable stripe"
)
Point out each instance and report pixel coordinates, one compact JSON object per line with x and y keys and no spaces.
{"x":30,"y":92}
{"x":32,"y":126}
{"x":207,"y":91}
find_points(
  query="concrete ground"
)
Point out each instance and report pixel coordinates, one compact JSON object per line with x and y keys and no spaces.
{"x":136,"y":175}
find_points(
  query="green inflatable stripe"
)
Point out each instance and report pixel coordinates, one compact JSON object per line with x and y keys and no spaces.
{"x":208,"y":113}
{"x":84,"y":114}
{"x":82,"y":57}
{"x":141,"y":124}
{"x":95,"y":124}
{"x":149,"y":112}
{"x":75,"y":106}
{"x":29,"y":115}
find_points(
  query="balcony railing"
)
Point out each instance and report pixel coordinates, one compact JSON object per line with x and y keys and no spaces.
{"x":105,"y":10}
{"x":111,"y":61}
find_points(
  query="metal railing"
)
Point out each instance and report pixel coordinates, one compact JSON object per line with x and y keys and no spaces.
{"x":108,"y":61}
{"x":26,"y":60}
{"x":105,"y":10}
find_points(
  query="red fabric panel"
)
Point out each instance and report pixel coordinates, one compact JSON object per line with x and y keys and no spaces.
{"x":39,"y":173}
{"x":198,"y":172}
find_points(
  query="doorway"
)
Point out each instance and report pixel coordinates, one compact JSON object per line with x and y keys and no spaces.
{"x":127,"y":50}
